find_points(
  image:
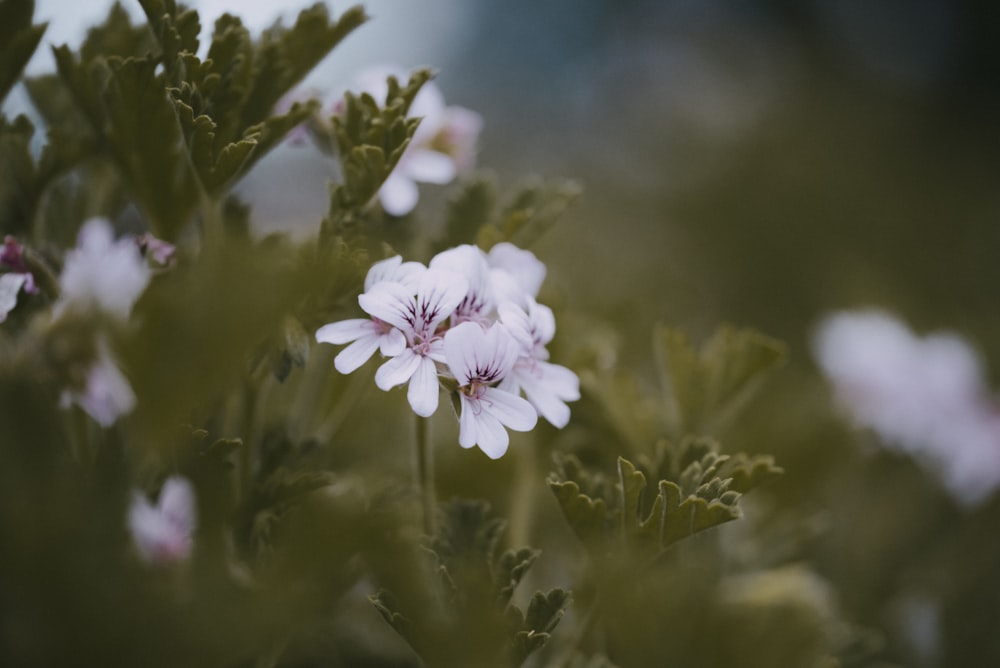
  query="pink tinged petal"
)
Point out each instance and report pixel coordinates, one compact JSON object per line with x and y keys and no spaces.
{"x":516,"y":320}
{"x":543,"y":322}
{"x":356,"y":354}
{"x":548,"y":405}
{"x":397,"y":370}
{"x":429,"y":166}
{"x":398,"y":195}
{"x":10,"y":286}
{"x":107,"y":394}
{"x":510,"y":409}
{"x":423,"y":391}
{"x":392,"y":342}
{"x":346,"y":331}
{"x":390,"y":302}
{"x":177,"y":503}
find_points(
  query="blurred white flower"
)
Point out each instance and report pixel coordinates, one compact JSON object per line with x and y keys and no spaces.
{"x":106,"y":394}
{"x":102,"y":273}
{"x":443,"y":146}
{"x":10,"y":287}
{"x":925,"y":396}
{"x":162,"y":533}
{"x":479,"y":359}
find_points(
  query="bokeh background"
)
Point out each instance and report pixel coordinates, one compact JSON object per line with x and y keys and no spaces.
{"x":758,"y":162}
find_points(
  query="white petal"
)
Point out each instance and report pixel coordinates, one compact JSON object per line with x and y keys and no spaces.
{"x":392,"y":343}
{"x":461,"y":344}
{"x":518,"y":324}
{"x":510,"y":409}
{"x":10,"y":285}
{"x":522,"y":265}
{"x":430,"y":166}
{"x":356,"y":354}
{"x":397,"y":370}
{"x":394,"y":269}
{"x":468,"y":427}
{"x":543,"y":322}
{"x":390,"y":302}
{"x":345,"y":331}
{"x":398,"y":195}
{"x":423,"y":391}
{"x":493,"y":438}
{"x":177,"y":502}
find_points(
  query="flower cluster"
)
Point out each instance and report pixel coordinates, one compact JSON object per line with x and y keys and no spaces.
{"x":470,"y":319}
{"x":925,"y":396}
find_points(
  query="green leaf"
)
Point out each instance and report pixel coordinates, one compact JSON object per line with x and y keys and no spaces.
{"x":18,"y":40}
{"x":18,"y":178}
{"x":532,"y":211}
{"x":703,"y":387}
{"x":286,"y":55}
{"x":175,"y":32}
{"x":117,"y":37}
{"x":509,"y":569}
{"x":747,"y":472}
{"x":588,"y":517}
{"x":468,"y":211}
{"x":545,"y":610}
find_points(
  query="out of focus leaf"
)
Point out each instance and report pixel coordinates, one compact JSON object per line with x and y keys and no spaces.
{"x":532,"y":211}
{"x":18,"y":40}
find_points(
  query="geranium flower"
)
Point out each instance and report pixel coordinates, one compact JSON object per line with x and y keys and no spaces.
{"x":102,"y":273}
{"x":516,"y":274}
{"x":162,"y":533}
{"x":547,"y":386}
{"x":417,"y":315}
{"x":366,"y":335}
{"x":480,"y":359}
{"x":106,"y":394}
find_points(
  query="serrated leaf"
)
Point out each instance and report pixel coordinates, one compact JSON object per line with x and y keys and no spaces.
{"x":468,"y":210}
{"x":116,"y":37}
{"x":18,"y":40}
{"x":175,"y":32}
{"x":545,"y":610}
{"x":387,"y":607}
{"x":747,"y":472}
{"x":704,"y":386}
{"x":508,"y":571}
{"x":587,"y":517}
{"x":532,"y":211}
{"x":685,"y":517}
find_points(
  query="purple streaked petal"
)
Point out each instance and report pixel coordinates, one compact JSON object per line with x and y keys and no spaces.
{"x":423,"y":391}
{"x":439,"y":293}
{"x":345,"y":331}
{"x":390,"y":302}
{"x":356,"y":354}
{"x":397,"y":370}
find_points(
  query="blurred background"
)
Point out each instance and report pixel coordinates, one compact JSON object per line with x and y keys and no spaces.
{"x":757,"y":162}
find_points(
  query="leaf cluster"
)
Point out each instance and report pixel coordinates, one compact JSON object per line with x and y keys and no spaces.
{"x":466,"y":616}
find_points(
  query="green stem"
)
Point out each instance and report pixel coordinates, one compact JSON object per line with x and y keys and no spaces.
{"x":247,"y":433}
{"x":522,"y":498}
{"x":423,"y":465}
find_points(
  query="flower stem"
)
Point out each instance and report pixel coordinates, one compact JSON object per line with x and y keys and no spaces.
{"x":423,"y":465}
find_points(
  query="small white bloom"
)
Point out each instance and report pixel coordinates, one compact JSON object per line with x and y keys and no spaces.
{"x":107,"y":394}
{"x":925,"y":396}
{"x":480,"y":359}
{"x":442,"y":146}
{"x":479,"y":303}
{"x":547,"y":386}
{"x":103,"y":273}
{"x":163,"y":532}
{"x":417,"y":315}
{"x":366,"y":335}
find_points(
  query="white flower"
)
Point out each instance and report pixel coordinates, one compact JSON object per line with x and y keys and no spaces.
{"x":102,"y":273}
{"x":10,"y":287}
{"x":547,"y":386}
{"x":479,"y":359}
{"x":479,"y":303}
{"x":106,"y":395}
{"x":925,"y":396}
{"x":515,"y":273}
{"x":417,"y":315}
{"x":163,"y":533}
{"x":442,"y":146}
{"x":371,"y":334}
